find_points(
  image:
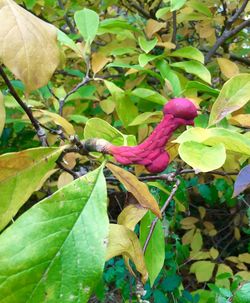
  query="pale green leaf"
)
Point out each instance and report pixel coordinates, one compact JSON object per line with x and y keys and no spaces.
{"x":155,"y":252}
{"x":189,"y":52}
{"x":234,"y":94}
{"x":146,"y":118}
{"x":21,"y":174}
{"x":203,"y":270}
{"x":202,"y":157}
{"x":176,"y":4}
{"x":194,"y":68}
{"x":147,"y":45}
{"x":65,"y":40}
{"x":59,"y":250}
{"x":144,"y":59}
{"x":161,"y":12}
{"x":150,"y":95}
{"x":87,"y":21}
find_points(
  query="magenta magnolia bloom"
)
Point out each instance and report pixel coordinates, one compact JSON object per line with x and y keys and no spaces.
{"x":151,"y":153}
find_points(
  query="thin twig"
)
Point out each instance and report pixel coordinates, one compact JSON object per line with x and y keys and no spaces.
{"x":174,"y":34}
{"x":66,"y":18}
{"x":41,"y":134}
{"x":154,"y":222}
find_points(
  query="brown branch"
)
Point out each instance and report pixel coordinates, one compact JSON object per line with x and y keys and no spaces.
{"x":228,"y":32}
{"x":66,"y":18}
{"x":41,"y":134}
{"x":174,"y":34}
{"x":154,"y":222}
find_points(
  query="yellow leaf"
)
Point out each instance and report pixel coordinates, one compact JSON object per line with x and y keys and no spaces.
{"x":213,"y":252}
{"x":199,"y":255}
{"x":241,"y":266}
{"x":202,"y":211}
{"x":197,"y":242}
{"x":212,"y":232}
{"x":137,"y":188}
{"x":64,"y":179}
{"x":68,"y":127}
{"x":244,"y":258}
{"x":237,"y":233}
{"x":189,"y":221}
{"x":208,"y":225}
{"x":153,"y":27}
{"x":28,"y":45}
{"x":131,"y":215}
{"x":123,"y":241}
{"x":188,"y":237}
{"x":203,"y":270}
{"x":228,"y":68}
{"x":242,"y":120}
{"x":98,"y":61}
{"x":245,"y":275}
{"x":2,"y":113}
{"x":232,"y":259}
{"x":222,"y":268}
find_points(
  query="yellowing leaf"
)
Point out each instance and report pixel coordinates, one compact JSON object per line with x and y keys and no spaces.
{"x":189,"y":221}
{"x":64,"y":179}
{"x":228,"y":68}
{"x":197,"y":241}
{"x":153,"y":27}
{"x":237,"y":233}
{"x":131,"y":215}
{"x":242,"y":120}
{"x":245,"y":258}
{"x":202,"y":211}
{"x":2,"y":113}
{"x":188,"y":237}
{"x":213,"y":252}
{"x":28,"y":45}
{"x":68,"y":127}
{"x":245,"y":275}
{"x":199,"y":255}
{"x":98,"y":61}
{"x":203,"y":270}
{"x":123,"y":241}
{"x":137,"y":188}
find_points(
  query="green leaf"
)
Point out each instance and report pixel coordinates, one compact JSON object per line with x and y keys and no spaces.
{"x":145,"y":58}
{"x":59,"y":250}
{"x":200,"y":7}
{"x":170,"y":75}
{"x":98,"y":128}
{"x":202,"y":157}
{"x":189,"y":52}
{"x":2,"y":113}
{"x":195,"y":68}
{"x":87,"y":21}
{"x":147,"y":45}
{"x":176,"y":4}
{"x":155,"y":252}
{"x":232,"y":141}
{"x":22,"y":173}
{"x":234,"y":94}
{"x":203,"y":270}
{"x":171,"y":283}
{"x":149,"y":95}
{"x":65,"y":40}
{"x":146,"y":118}
{"x":242,"y":295}
{"x":161,"y":12}
{"x":201,"y":87}
{"x":115,"y":23}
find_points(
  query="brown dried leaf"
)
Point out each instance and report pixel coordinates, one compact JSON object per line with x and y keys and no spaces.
{"x":153,"y":26}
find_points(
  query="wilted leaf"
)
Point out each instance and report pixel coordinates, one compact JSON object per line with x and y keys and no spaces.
{"x":41,"y":262}
{"x":203,"y":270}
{"x":189,"y":52}
{"x":228,"y":68}
{"x":147,"y":45}
{"x":197,"y":241}
{"x":194,"y":68}
{"x":59,"y":120}
{"x":137,"y":188}
{"x":25,"y":42}
{"x":242,"y":181}
{"x":153,"y":27}
{"x":2,"y":113}
{"x":155,"y":252}
{"x":234,"y":94}
{"x":202,"y":157}
{"x":131,"y":215}
{"x":21,"y":174}
{"x":87,"y":21}
{"x":123,"y":241}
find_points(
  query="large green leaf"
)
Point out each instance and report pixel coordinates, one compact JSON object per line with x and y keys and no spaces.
{"x":232,"y":141}
{"x":234,"y":94}
{"x":87,"y":21}
{"x":21,"y":174}
{"x":55,"y":252}
{"x":202,"y":157}
{"x":189,"y":52}
{"x":155,"y":252}
{"x":195,"y":68}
